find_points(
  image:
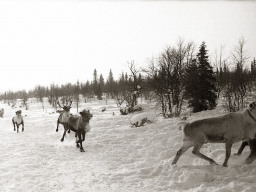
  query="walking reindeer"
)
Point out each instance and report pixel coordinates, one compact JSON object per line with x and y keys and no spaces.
{"x":64,"y":116}
{"x":18,"y":120}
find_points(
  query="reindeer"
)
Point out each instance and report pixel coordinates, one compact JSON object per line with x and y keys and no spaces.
{"x":64,"y":116}
{"x":80,"y":125}
{"x":228,"y":129}
{"x":18,"y":120}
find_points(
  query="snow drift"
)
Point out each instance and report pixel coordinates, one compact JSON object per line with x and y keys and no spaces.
{"x":139,"y":119}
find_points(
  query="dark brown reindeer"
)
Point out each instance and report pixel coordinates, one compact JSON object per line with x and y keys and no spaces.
{"x":80,"y":125}
{"x":64,"y":116}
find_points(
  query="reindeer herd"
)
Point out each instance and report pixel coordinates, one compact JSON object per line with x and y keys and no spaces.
{"x":228,"y":129}
{"x":77,"y":123}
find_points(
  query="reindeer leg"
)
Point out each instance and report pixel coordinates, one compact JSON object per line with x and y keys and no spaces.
{"x":252,"y":156}
{"x":68,"y":128}
{"x":22,"y":126}
{"x":57,"y":125}
{"x":65,"y":130}
{"x":240,"y":150}
{"x":228,"y":152}
{"x":77,"y":145}
{"x":80,"y":140}
{"x":183,"y":149}
{"x":65,"y":125}
{"x":13,"y":124}
{"x":196,"y":151}
{"x":17,"y":128}
{"x":84,"y":136}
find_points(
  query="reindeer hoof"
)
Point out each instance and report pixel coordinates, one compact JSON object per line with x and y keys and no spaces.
{"x":77,"y":145}
{"x":82,"y":150}
{"x":62,"y":140}
{"x":57,"y":130}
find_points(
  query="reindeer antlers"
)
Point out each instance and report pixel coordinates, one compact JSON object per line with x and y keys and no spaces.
{"x":65,"y":105}
{"x":59,"y":104}
{"x":70,"y":103}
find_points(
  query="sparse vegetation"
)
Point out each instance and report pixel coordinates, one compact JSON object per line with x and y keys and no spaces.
{"x":177,"y":76}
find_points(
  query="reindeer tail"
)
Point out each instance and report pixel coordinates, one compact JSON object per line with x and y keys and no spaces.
{"x":181,"y":125}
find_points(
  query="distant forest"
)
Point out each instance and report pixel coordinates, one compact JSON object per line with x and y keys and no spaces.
{"x":181,"y":75}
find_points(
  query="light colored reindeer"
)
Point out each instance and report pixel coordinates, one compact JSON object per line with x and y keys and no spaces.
{"x":228,"y":129}
{"x":64,"y":116}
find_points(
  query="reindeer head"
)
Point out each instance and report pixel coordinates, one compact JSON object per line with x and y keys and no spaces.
{"x":18,"y":113}
{"x":65,"y":107}
{"x":86,"y":115}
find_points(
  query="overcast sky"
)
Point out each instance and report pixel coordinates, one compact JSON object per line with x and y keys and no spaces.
{"x":44,"y":42}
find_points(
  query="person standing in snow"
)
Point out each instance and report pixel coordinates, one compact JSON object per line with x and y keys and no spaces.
{"x":18,"y":120}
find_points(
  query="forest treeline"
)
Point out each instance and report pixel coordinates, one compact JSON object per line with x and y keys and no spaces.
{"x":179,"y":77}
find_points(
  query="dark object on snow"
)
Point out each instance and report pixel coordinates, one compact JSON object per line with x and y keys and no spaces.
{"x":104,"y":109}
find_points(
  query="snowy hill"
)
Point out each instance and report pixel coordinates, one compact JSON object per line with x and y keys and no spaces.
{"x":117,"y":157}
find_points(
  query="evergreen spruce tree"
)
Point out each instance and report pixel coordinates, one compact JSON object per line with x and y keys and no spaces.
{"x":207,"y":89}
{"x":110,"y":84}
{"x":100,"y":87}
{"x":95,"y":82}
{"x":192,"y":86}
{"x":86,"y":90}
{"x":200,"y":83}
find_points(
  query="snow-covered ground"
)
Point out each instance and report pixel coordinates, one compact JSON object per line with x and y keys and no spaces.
{"x":117,"y":157}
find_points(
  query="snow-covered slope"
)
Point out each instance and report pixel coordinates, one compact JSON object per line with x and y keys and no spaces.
{"x":117,"y":157}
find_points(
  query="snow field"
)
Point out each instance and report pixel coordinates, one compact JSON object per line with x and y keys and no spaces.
{"x":117,"y":157}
